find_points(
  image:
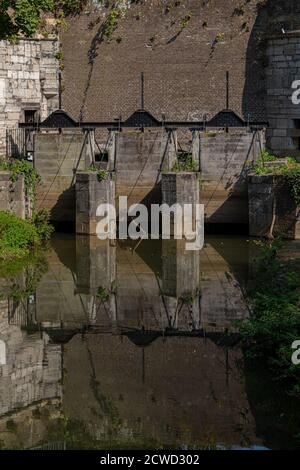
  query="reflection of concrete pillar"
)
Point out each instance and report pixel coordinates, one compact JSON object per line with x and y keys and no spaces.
{"x":180,"y":269}
{"x":181,"y":284}
{"x":95,"y":264}
{"x":2,"y":353}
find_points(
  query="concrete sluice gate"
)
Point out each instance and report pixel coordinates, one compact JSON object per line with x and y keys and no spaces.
{"x":145,"y":326}
{"x":137,"y":161}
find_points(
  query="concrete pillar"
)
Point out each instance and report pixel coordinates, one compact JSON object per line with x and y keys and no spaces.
{"x":272,"y":207}
{"x":111,"y":150}
{"x":180,"y":188}
{"x":90,"y":193}
{"x":196,"y":148}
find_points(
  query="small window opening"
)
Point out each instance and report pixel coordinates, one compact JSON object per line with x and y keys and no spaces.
{"x":101,"y":157}
{"x":31,"y":116}
{"x":297,"y":123}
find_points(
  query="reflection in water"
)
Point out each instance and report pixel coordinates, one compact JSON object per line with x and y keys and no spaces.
{"x":125,"y":345}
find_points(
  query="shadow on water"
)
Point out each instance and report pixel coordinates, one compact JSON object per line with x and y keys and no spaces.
{"x":133,"y":346}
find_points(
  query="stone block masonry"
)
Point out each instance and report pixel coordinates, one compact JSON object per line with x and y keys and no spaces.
{"x":272,"y":209}
{"x":28,"y":81}
{"x":283,"y":134}
{"x":12,"y":195}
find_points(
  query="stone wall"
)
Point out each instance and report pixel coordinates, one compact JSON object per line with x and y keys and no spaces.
{"x":272,"y":208}
{"x":283,"y":135}
{"x":12,"y":195}
{"x":31,"y":371}
{"x":28,"y":81}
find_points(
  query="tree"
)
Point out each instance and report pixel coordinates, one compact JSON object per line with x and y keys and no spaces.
{"x":24,"y":17}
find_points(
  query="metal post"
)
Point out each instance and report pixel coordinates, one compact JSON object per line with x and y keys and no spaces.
{"x":60,"y":89}
{"x":142,"y":91}
{"x":227,"y":90}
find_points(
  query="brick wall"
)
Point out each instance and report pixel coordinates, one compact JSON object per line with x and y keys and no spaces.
{"x":184,"y":67}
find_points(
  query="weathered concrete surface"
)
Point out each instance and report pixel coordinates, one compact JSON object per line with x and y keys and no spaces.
{"x":12,"y":195}
{"x":283,"y":134}
{"x":272,"y":207}
{"x":57,"y":304}
{"x":95,"y":265}
{"x":90,"y":193}
{"x":57,"y":158}
{"x":141,"y":157}
{"x":180,"y":188}
{"x":28,"y":81}
{"x":224,"y":161}
{"x":180,"y":270}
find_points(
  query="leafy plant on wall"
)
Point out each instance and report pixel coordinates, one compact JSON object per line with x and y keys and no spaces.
{"x":24,"y":17}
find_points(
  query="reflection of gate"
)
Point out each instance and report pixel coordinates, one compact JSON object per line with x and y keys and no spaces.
{"x":19,"y":143}
{"x":22,"y":313}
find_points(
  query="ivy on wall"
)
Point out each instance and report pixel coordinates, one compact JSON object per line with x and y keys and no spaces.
{"x":24,"y":17}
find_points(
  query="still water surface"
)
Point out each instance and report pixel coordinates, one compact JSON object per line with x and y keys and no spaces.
{"x":133,"y":346}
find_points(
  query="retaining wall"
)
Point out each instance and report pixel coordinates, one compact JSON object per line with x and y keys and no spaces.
{"x":272,"y":208}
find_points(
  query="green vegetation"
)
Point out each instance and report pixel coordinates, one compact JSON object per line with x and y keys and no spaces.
{"x":111,"y":23}
{"x":102,"y":175}
{"x":18,"y":236}
{"x":40,"y":220}
{"x":25,"y":17}
{"x":103,"y":294}
{"x":289,"y":168}
{"x":275,"y":323}
{"x":220,"y":37}
{"x":25,"y":168}
{"x":185,"y":162}
{"x":33,"y":266}
{"x":185,"y":21}
{"x":11,"y":426}
{"x":35,"y":260}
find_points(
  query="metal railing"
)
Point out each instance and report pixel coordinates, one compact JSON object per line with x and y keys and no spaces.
{"x":19,"y":143}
